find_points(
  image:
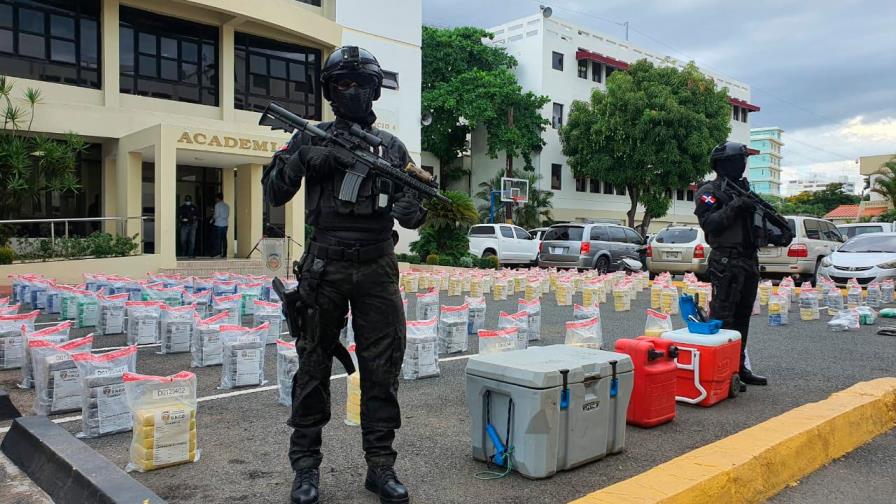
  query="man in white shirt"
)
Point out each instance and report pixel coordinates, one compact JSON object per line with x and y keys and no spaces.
{"x":219,"y":227}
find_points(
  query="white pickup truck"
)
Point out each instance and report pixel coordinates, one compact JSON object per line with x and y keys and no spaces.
{"x":511,"y":244}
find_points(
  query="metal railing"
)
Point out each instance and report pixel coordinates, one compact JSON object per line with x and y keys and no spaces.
{"x":120,"y":226}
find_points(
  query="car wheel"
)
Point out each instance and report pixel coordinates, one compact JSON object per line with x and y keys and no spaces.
{"x":602,"y":265}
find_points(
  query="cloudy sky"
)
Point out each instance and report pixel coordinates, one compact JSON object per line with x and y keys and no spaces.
{"x":824,"y":70}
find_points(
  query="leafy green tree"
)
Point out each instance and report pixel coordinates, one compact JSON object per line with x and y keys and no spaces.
{"x":535,"y":213}
{"x":445,"y":231}
{"x":32,"y":164}
{"x":651,"y":131}
{"x":467,"y":84}
{"x":885,"y":182}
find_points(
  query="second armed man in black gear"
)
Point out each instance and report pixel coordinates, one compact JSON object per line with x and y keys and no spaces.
{"x":727,"y":222}
{"x":350,"y":259}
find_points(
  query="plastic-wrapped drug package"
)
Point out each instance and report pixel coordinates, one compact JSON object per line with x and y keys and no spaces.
{"x":104,"y":407}
{"x":656,"y":323}
{"x":563,"y":293}
{"x":38,"y":294}
{"x":206,"y":347}
{"x":519,"y":320}
{"x":110,"y":319}
{"x":287,"y":366}
{"x":57,"y":383}
{"x":171,"y":296}
{"x":163,"y":409}
{"x":580,"y":312}
{"x":176,"y":327}
{"x":242,"y":356}
{"x":453,"y":321}
{"x":584,"y":333}
{"x":202,"y":300}
{"x":224,"y":288}
{"x":12,"y":342}
{"x":86,"y":309}
{"x":143,"y":322}
{"x":232,"y":304}
{"x":250,"y":292}
{"x":427,"y":304}
{"x":421,"y":354}
{"x":477,"y":313}
{"x":502,"y":340}
{"x":272,"y":314}
{"x":533,"y":308}
{"x":57,"y":334}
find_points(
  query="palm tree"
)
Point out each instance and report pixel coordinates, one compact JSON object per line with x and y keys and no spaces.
{"x":445,"y":231}
{"x":536,"y":212}
{"x":885,"y":182}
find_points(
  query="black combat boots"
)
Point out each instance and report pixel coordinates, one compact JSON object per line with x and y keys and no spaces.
{"x":748,"y":378}
{"x":304,"y":486}
{"x":382,"y":481}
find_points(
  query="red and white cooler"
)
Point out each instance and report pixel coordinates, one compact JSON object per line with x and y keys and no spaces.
{"x":708,"y":365}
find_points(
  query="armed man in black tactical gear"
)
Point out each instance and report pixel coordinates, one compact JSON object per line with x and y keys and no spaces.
{"x":728,"y":222}
{"x":350,"y":259}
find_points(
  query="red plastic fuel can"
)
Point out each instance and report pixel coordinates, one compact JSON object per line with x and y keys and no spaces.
{"x":653,"y":398}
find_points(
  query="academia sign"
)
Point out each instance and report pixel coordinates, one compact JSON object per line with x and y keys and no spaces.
{"x":228,"y":142}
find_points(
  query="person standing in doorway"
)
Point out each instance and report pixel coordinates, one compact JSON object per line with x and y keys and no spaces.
{"x":219,"y":227}
{"x":188,"y":217}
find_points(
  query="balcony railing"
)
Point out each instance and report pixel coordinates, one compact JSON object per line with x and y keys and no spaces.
{"x":57,"y":229}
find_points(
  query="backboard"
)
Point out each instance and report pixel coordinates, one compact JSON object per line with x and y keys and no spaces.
{"x":514,"y":190}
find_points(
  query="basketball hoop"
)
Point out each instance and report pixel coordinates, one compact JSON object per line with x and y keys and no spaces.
{"x":519,"y":200}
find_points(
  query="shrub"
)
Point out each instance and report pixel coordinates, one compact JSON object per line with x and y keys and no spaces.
{"x":433,"y":259}
{"x":7,"y":255}
{"x":446,"y":261}
{"x":489,"y":262}
{"x":465,"y":262}
{"x":413,"y":259}
{"x":401,"y":257}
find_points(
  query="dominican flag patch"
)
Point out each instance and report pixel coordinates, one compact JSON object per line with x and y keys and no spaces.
{"x":709,"y":199}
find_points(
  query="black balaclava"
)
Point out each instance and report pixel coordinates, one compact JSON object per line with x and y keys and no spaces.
{"x":731,"y":167}
{"x":355,"y":104}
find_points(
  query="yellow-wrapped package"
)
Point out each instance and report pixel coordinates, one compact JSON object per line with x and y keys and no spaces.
{"x":353,"y":400}
{"x":163,"y":409}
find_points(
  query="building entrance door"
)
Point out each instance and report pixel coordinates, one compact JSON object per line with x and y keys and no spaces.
{"x":202,"y":184}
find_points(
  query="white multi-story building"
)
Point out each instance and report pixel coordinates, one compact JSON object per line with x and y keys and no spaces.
{"x":567,"y":62}
{"x":816,"y":183}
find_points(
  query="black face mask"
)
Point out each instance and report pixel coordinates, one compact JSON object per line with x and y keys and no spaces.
{"x":355,"y":104}
{"x":732,"y":167}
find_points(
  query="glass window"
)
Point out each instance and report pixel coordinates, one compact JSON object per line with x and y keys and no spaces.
{"x":831,"y":232}
{"x":689,"y":195}
{"x":506,"y":232}
{"x":812,"y":229}
{"x":597,"y":72}
{"x":521,"y":234}
{"x":870,"y":243}
{"x":594,"y":186}
{"x":735,"y":113}
{"x":557,"y":121}
{"x":581,"y":184}
{"x":680,"y":235}
{"x":620,"y":191}
{"x":266,"y":68}
{"x":557,"y":61}
{"x":609,"y":70}
{"x":556,"y":176}
{"x":679,"y":194}
{"x":482,"y":231}
{"x":50,"y":40}
{"x":632,"y":236}
{"x":743,"y":115}
{"x":608,"y":188}
{"x":617,"y":234}
{"x":166,"y":61}
{"x":583,"y":69}
{"x":600,"y":233}
{"x":564,"y":233}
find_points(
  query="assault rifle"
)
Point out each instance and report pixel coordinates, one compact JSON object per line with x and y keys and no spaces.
{"x":356,"y":143}
{"x":765,"y":217}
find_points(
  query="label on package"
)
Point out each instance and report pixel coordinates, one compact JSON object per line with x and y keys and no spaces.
{"x":112,"y":409}
{"x":13,"y":351}
{"x":66,"y":390}
{"x":248,"y":365}
{"x":171,"y":437}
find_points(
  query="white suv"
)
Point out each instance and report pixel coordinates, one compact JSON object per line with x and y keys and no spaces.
{"x":511,"y":244}
{"x":814,"y":239}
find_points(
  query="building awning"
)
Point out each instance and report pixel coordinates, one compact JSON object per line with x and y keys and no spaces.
{"x":582,"y":54}
{"x":743,"y":104}
{"x":752,"y":152}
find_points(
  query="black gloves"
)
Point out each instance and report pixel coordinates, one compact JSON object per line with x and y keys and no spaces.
{"x":407,"y":211}
{"x":321,"y":159}
{"x":743,"y":205}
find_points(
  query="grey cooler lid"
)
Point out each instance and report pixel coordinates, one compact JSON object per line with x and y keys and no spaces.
{"x":539,"y":367}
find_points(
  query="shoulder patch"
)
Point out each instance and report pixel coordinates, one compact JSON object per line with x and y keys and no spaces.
{"x":708,"y":199}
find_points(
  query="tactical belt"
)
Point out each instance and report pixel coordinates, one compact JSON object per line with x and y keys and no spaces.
{"x":353,"y":254}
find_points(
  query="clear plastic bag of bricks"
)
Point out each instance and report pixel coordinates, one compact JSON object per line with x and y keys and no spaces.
{"x":176,"y":326}
{"x":57,"y":382}
{"x":287,"y":366}
{"x":242,"y":356}
{"x":421,"y":353}
{"x":143,"y":322}
{"x":12,"y":342}
{"x":206,"y":346}
{"x":56,"y":334}
{"x":104,"y":408}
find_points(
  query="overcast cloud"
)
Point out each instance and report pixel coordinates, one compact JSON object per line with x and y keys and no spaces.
{"x":824,"y":70}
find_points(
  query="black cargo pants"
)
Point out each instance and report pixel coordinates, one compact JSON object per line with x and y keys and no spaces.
{"x":378,"y":321}
{"x":735,"y":278}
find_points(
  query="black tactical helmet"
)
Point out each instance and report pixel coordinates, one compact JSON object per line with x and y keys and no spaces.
{"x":351,"y":61}
{"x":727,"y":150}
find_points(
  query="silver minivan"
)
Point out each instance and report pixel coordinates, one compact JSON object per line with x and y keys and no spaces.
{"x":599,"y":246}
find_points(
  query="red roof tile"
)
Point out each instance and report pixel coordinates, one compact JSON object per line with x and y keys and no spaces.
{"x":852,"y":212}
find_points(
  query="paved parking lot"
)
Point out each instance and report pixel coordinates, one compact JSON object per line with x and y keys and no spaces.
{"x":243,"y":435}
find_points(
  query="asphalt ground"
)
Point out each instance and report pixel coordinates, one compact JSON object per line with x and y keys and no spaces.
{"x":244,"y":437}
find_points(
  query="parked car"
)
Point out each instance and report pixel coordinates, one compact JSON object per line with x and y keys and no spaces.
{"x":850,"y":230}
{"x":599,"y":246}
{"x":867,"y":257}
{"x":678,"y":249}
{"x":814,"y":239}
{"x":511,"y":244}
{"x":538,"y":233}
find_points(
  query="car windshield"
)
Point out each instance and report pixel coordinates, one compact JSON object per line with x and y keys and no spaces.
{"x":870,"y":244}
{"x":564,"y":233}
{"x":682,"y":235}
{"x":859,"y":230}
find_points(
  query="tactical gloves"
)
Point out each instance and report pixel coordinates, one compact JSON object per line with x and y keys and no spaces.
{"x":317,"y":158}
{"x":407,"y":211}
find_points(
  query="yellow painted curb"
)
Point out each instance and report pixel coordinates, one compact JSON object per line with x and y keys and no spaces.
{"x":758,"y":462}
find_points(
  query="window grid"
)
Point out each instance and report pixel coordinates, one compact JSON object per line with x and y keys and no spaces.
{"x":596,"y":72}
{"x":583,"y":69}
{"x":63,"y":37}
{"x":556,"y":176}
